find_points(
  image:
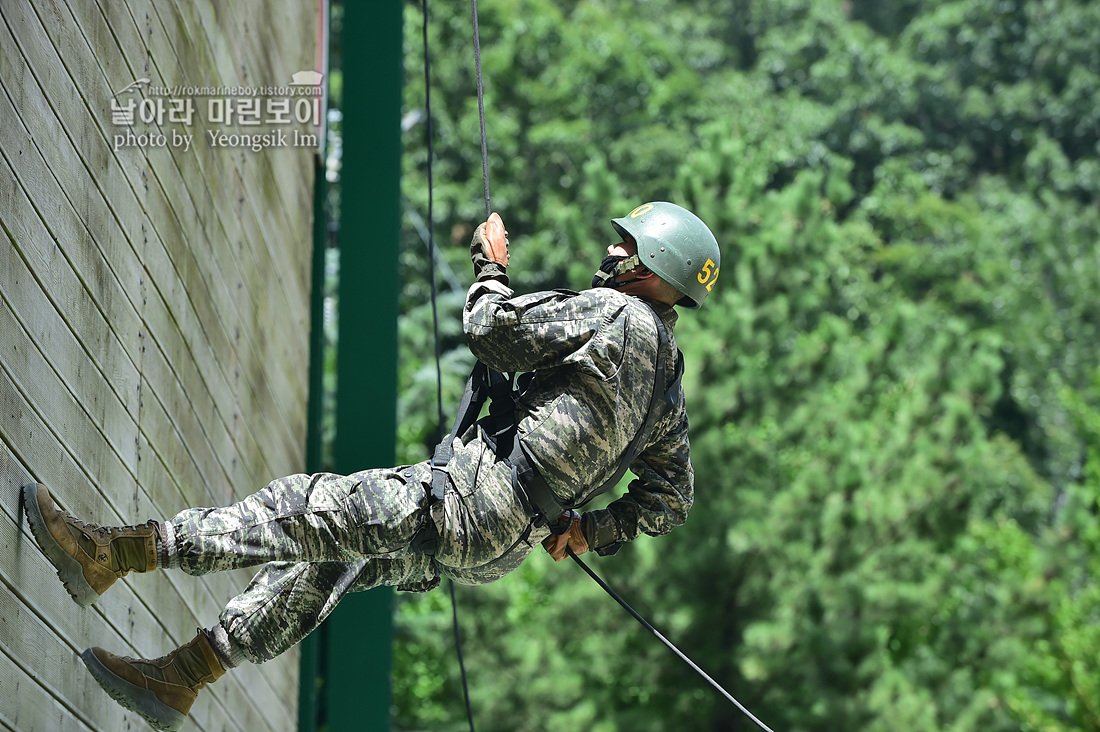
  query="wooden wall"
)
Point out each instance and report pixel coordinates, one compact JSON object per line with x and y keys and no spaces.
{"x":154,"y":313}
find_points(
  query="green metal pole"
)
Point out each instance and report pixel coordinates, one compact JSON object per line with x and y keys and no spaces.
{"x":360,"y":631}
{"x":310,"y":647}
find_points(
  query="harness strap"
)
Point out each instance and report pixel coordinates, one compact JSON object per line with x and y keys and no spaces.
{"x":483,"y":384}
{"x":534,"y":488}
{"x":472,"y":398}
{"x":426,"y":539}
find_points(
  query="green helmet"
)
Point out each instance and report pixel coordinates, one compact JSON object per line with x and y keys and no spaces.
{"x":677,"y":246}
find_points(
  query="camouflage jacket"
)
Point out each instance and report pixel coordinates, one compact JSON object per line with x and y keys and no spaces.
{"x":593,"y":356}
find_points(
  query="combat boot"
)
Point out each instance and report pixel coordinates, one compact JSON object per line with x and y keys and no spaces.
{"x":88,"y":557}
{"x":163,"y":689}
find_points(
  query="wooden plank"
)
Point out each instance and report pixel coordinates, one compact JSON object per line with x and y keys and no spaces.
{"x":255,"y":384}
{"x":284,"y":46}
{"x":267,"y":236}
{"x":209,"y":342}
{"x":40,"y":383}
{"x":31,"y":579}
{"x":79,"y":311}
{"x":34,"y":658}
{"x":30,"y":707}
{"x":30,"y":567}
{"x":244,"y":370}
{"x":186,"y":480}
{"x":104,"y":380}
{"x":229,"y":166}
{"x":207,"y":21}
{"x":267,"y":57}
{"x":146,"y":628}
{"x":64,"y":233}
{"x":32,"y":106}
{"x":22,"y":356}
{"x":185,"y":263}
{"x":109,"y":460}
{"x":138,"y":499}
{"x":115,"y":370}
{"x":196,"y":335}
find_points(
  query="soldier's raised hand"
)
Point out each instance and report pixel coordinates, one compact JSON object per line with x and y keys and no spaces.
{"x":489,"y":248}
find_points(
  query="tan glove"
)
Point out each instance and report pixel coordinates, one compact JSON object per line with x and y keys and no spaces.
{"x":555,"y":544}
{"x":489,"y":249}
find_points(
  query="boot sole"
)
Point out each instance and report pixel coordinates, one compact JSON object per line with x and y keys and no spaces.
{"x":69,"y":570}
{"x":135,"y":698}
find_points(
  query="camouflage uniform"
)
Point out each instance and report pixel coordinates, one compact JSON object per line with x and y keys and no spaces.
{"x":592,"y":354}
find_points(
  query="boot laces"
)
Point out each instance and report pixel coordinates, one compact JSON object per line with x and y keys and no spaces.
{"x":151,"y":667}
{"x":85,"y":526}
{"x":154,"y":668}
{"x":167,"y":657}
{"x":103,"y":531}
{"x":160,"y":661}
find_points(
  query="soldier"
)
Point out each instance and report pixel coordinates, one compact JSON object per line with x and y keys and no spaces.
{"x":600,"y":392}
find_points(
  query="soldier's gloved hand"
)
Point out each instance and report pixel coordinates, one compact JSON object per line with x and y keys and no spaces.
{"x":489,"y":249}
{"x":555,"y":544}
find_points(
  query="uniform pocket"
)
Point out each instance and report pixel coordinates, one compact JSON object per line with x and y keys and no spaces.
{"x":329,"y":492}
{"x":465,"y":465}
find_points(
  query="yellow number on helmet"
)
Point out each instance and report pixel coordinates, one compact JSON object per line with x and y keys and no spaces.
{"x":707,"y":272}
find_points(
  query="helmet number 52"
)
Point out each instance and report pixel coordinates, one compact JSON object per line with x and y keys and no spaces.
{"x":709,"y":274}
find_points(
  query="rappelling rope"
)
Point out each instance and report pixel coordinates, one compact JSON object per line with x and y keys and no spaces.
{"x":435,"y":319}
{"x":481,"y":111}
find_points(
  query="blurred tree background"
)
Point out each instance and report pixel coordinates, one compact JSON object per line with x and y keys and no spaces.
{"x":894,"y":388}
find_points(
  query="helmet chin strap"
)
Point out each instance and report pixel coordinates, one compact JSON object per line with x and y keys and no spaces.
{"x":611,"y":267}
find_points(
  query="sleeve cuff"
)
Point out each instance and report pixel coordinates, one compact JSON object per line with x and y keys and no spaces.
{"x":601,"y":535}
{"x":492,"y":271}
{"x":482,"y":288}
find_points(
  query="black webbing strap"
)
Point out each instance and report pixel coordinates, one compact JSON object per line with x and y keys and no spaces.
{"x":472,"y":398}
{"x":483,"y":384}
{"x":478,"y":386}
{"x":533,"y":486}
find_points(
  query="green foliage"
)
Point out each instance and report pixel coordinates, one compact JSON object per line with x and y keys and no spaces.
{"x":892,"y":389}
{"x":1056,"y":688}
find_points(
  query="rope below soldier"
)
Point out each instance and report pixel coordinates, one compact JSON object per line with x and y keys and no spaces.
{"x":592,"y":401}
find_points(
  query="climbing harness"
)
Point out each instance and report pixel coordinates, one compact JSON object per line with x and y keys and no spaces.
{"x":503,"y":390}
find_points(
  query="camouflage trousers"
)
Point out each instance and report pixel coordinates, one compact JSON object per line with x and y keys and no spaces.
{"x":320,"y":537}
